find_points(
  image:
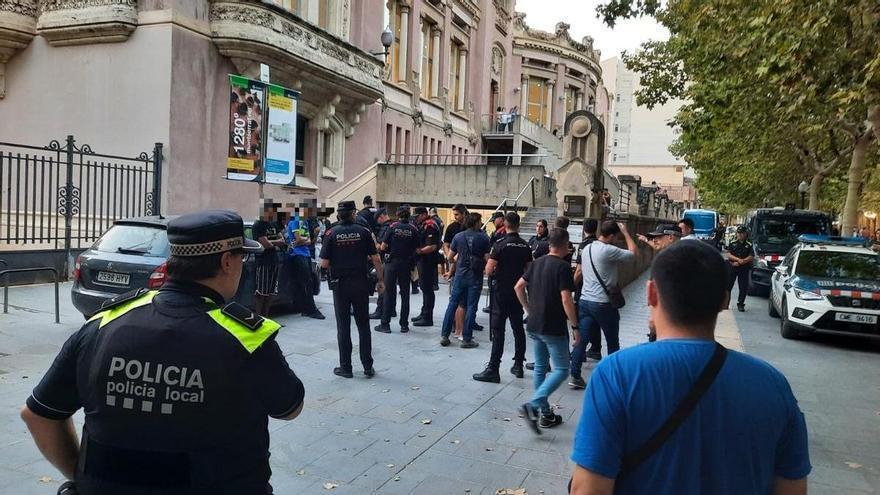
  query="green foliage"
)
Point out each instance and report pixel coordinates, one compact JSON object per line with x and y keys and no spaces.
{"x":775,"y":90}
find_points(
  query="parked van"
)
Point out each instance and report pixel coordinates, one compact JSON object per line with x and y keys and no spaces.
{"x":705,"y":223}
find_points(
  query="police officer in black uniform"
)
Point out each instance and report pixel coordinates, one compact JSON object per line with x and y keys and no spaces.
{"x":177,"y":384}
{"x":508,"y":260}
{"x":740,"y":254}
{"x":401,"y":241}
{"x":345,"y":252}
{"x":429,"y":258}
{"x":384,"y":222}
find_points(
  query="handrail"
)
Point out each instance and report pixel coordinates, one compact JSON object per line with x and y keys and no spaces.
{"x":468,"y":159}
{"x":28,"y":270}
{"x":515,"y":200}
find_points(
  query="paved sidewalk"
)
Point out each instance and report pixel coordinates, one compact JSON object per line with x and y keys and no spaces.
{"x":422,"y":425}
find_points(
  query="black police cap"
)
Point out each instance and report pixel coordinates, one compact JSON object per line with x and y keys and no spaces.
{"x":380,"y":212}
{"x":346,"y":206}
{"x":665,"y":229}
{"x":742,"y":229}
{"x":420,"y":210}
{"x":209,"y":232}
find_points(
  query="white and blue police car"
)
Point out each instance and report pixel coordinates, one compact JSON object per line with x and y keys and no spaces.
{"x":827,"y":284}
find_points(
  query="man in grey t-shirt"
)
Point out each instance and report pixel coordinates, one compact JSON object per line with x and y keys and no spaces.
{"x":595,"y":313}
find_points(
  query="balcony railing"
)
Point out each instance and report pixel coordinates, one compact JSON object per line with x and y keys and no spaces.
{"x":465,"y":159}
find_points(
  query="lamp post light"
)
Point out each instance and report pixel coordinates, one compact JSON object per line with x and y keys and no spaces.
{"x":387,"y":38}
{"x":803,"y":187}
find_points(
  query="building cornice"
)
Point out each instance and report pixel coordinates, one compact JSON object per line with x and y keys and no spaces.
{"x":559,"y":43}
{"x":81,"y":22}
{"x":252,"y":30}
{"x":18,"y":26}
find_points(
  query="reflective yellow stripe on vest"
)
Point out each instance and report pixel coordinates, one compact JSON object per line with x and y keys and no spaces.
{"x":251,"y":340}
{"x":117,"y":311}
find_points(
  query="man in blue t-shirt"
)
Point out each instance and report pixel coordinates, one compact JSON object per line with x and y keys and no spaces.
{"x":746,"y":433}
{"x":299,"y":264}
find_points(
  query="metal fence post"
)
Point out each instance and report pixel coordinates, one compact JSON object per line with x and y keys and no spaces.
{"x":68,"y":204}
{"x":157,"y":179}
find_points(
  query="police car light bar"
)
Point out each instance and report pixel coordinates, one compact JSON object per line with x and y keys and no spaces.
{"x":829,"y":239}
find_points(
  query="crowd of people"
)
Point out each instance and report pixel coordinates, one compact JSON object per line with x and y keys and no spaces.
{"x":681,"y":415}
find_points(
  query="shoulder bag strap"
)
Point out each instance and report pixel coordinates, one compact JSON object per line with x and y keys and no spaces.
{"x":598,"y":277}
{"x":679,"y":415}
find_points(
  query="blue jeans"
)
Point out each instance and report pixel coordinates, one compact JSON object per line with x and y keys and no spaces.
{"x":465,"y":287}
{"x":586,"y":327}
{"x":548,"y":349}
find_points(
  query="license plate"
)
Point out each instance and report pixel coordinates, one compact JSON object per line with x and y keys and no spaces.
{"x":113,"y":278}
{"x":856,"y":318}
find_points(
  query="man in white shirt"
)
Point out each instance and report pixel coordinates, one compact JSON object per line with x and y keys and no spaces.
{"x":687,"y":228}
{"x":596,"y":314}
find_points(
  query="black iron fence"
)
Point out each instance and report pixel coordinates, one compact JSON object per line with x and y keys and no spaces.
{"x":63,"y":196}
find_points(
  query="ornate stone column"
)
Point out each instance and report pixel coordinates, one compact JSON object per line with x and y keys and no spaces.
{"x":404,"y":41}
{"x":548,"y":119}
{"x":579,"y":100}
{"x":462,"y":78}
{"x":523,"y":96}
{"x":435,"y":67}
{"x":18,"y":24}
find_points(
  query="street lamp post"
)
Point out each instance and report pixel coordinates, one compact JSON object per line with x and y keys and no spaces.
{"x":803,"y":187}
{"x":387,"y":38}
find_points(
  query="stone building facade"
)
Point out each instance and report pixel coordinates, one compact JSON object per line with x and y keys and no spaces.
{"x":123,"y":74}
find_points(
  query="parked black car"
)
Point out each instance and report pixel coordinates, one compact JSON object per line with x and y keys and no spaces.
{"x":132,"y":254}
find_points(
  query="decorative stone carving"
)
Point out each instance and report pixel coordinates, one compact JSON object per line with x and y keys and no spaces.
{"x":502,"y":16}
{"x":79,"y":22}
{"x":418,"y":118}
{"x":262,"y":32}
{"x":447,"y":129}
{"x":497,"y":65}
{"x":561,"y":38}
{"x":583,"y":160}
{"x":18,"y":24}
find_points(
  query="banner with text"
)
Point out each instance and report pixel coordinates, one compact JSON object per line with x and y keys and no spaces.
{"x":246,"y":119}
{"x":281,"y":141}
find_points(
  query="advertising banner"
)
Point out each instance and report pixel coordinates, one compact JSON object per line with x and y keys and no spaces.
{"x":281,"y":135}
{"x":246,"y":119}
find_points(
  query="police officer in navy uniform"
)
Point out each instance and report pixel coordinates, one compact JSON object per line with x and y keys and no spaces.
{"x":177,"y":384}
{"x":508,"y":260}
{"x":384,"y":224}
{"x":401,"y":241}
{"x":345,"y":252}
{"x":740,"y":254}
{"x":429,"y":258}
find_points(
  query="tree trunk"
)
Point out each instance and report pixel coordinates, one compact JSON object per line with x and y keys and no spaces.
{"x":815,"y":188}
{"x":850,"y":216}
{"x":874,"y":118}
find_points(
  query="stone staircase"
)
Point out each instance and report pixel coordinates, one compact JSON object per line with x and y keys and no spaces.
{"x":532,"y":215}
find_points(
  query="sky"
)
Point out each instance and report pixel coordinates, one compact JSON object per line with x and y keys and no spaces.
{"x":581,"y":15}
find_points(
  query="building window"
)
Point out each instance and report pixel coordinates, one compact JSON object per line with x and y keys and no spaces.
{"x":389,"y":141}
{"x":333,"y":150}
{"x":617,"y":114}
{"x":615,"y":143}
{"x":455,"y":76}
{"x":426,"y":68}
{"x":537,"y":104}
{"x":393,"y":14}
{"x":618,"y":97}
{"x":291,"y":5}
{"x":398,"y":141}
{"x":570,"y":100}
{"x":324,"y":14}
{"x":406,"y":149}
{"x":614,"y":158}
{"x":302,"y":127}
{"x":616,"y":128}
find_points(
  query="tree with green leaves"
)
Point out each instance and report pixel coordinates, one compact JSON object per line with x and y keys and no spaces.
{"x":778,"y":90}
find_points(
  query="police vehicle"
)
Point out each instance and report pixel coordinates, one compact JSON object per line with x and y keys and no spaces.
{"x":774,"y":231}
{"x":705,"y":222}
{"x":827,"y":284}
{"x":132,"y":254}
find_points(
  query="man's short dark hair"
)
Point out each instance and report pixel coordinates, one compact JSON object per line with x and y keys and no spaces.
{"x":687,"y":221}
{"x":512,"y":219}
{"x":590,"y":226}
{"x":558,"y":238}
{"x":609,"y":228}
{"x":473,"y":221}
{"x":193,"y":267}
{"x":460,"y":208}
{"x":368,"y":201}
{"x":562,"y":222}
{"x":691,"y":278}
